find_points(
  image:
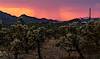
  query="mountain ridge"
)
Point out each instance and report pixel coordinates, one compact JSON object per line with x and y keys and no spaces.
{"x":8,"y":19}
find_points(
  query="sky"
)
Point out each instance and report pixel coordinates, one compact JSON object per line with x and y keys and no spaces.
{"x":52,"y":9}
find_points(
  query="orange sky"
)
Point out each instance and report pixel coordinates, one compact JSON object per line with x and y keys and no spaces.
{"x":63,"y":13}
{"x":17,"y":11}
{"x":52,"y":9}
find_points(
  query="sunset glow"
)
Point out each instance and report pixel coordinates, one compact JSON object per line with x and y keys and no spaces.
{"x":18,"y":11}
{"x":52,"y":9}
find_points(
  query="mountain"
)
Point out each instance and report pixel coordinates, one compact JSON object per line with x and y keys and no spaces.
{"x":81,"y":21}
{"x":28,"y":19}
{"x":8,"y":19}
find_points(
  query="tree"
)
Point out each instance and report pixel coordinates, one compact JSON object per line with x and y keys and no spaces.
{"x":39,"y":38}
{"x":91,"y":39}
{"x":17,"y":40}
{"x":36,"y":38}
{"x":72,"y":42}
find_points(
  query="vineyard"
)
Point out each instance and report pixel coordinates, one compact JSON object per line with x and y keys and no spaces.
{"x":50,"y":41}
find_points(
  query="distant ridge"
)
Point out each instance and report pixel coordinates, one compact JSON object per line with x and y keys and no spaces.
{"x":8,"y":19}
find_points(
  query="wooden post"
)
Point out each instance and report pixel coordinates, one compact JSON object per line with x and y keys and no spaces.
{"x":89,"y":13}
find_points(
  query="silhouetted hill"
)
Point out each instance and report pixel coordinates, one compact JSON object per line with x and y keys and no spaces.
{"x":80,"y":21}
{"x":8,"y":19}
{"x":27,"y":19}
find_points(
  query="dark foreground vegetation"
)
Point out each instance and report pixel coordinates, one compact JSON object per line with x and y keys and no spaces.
{"x":50,"y":41}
